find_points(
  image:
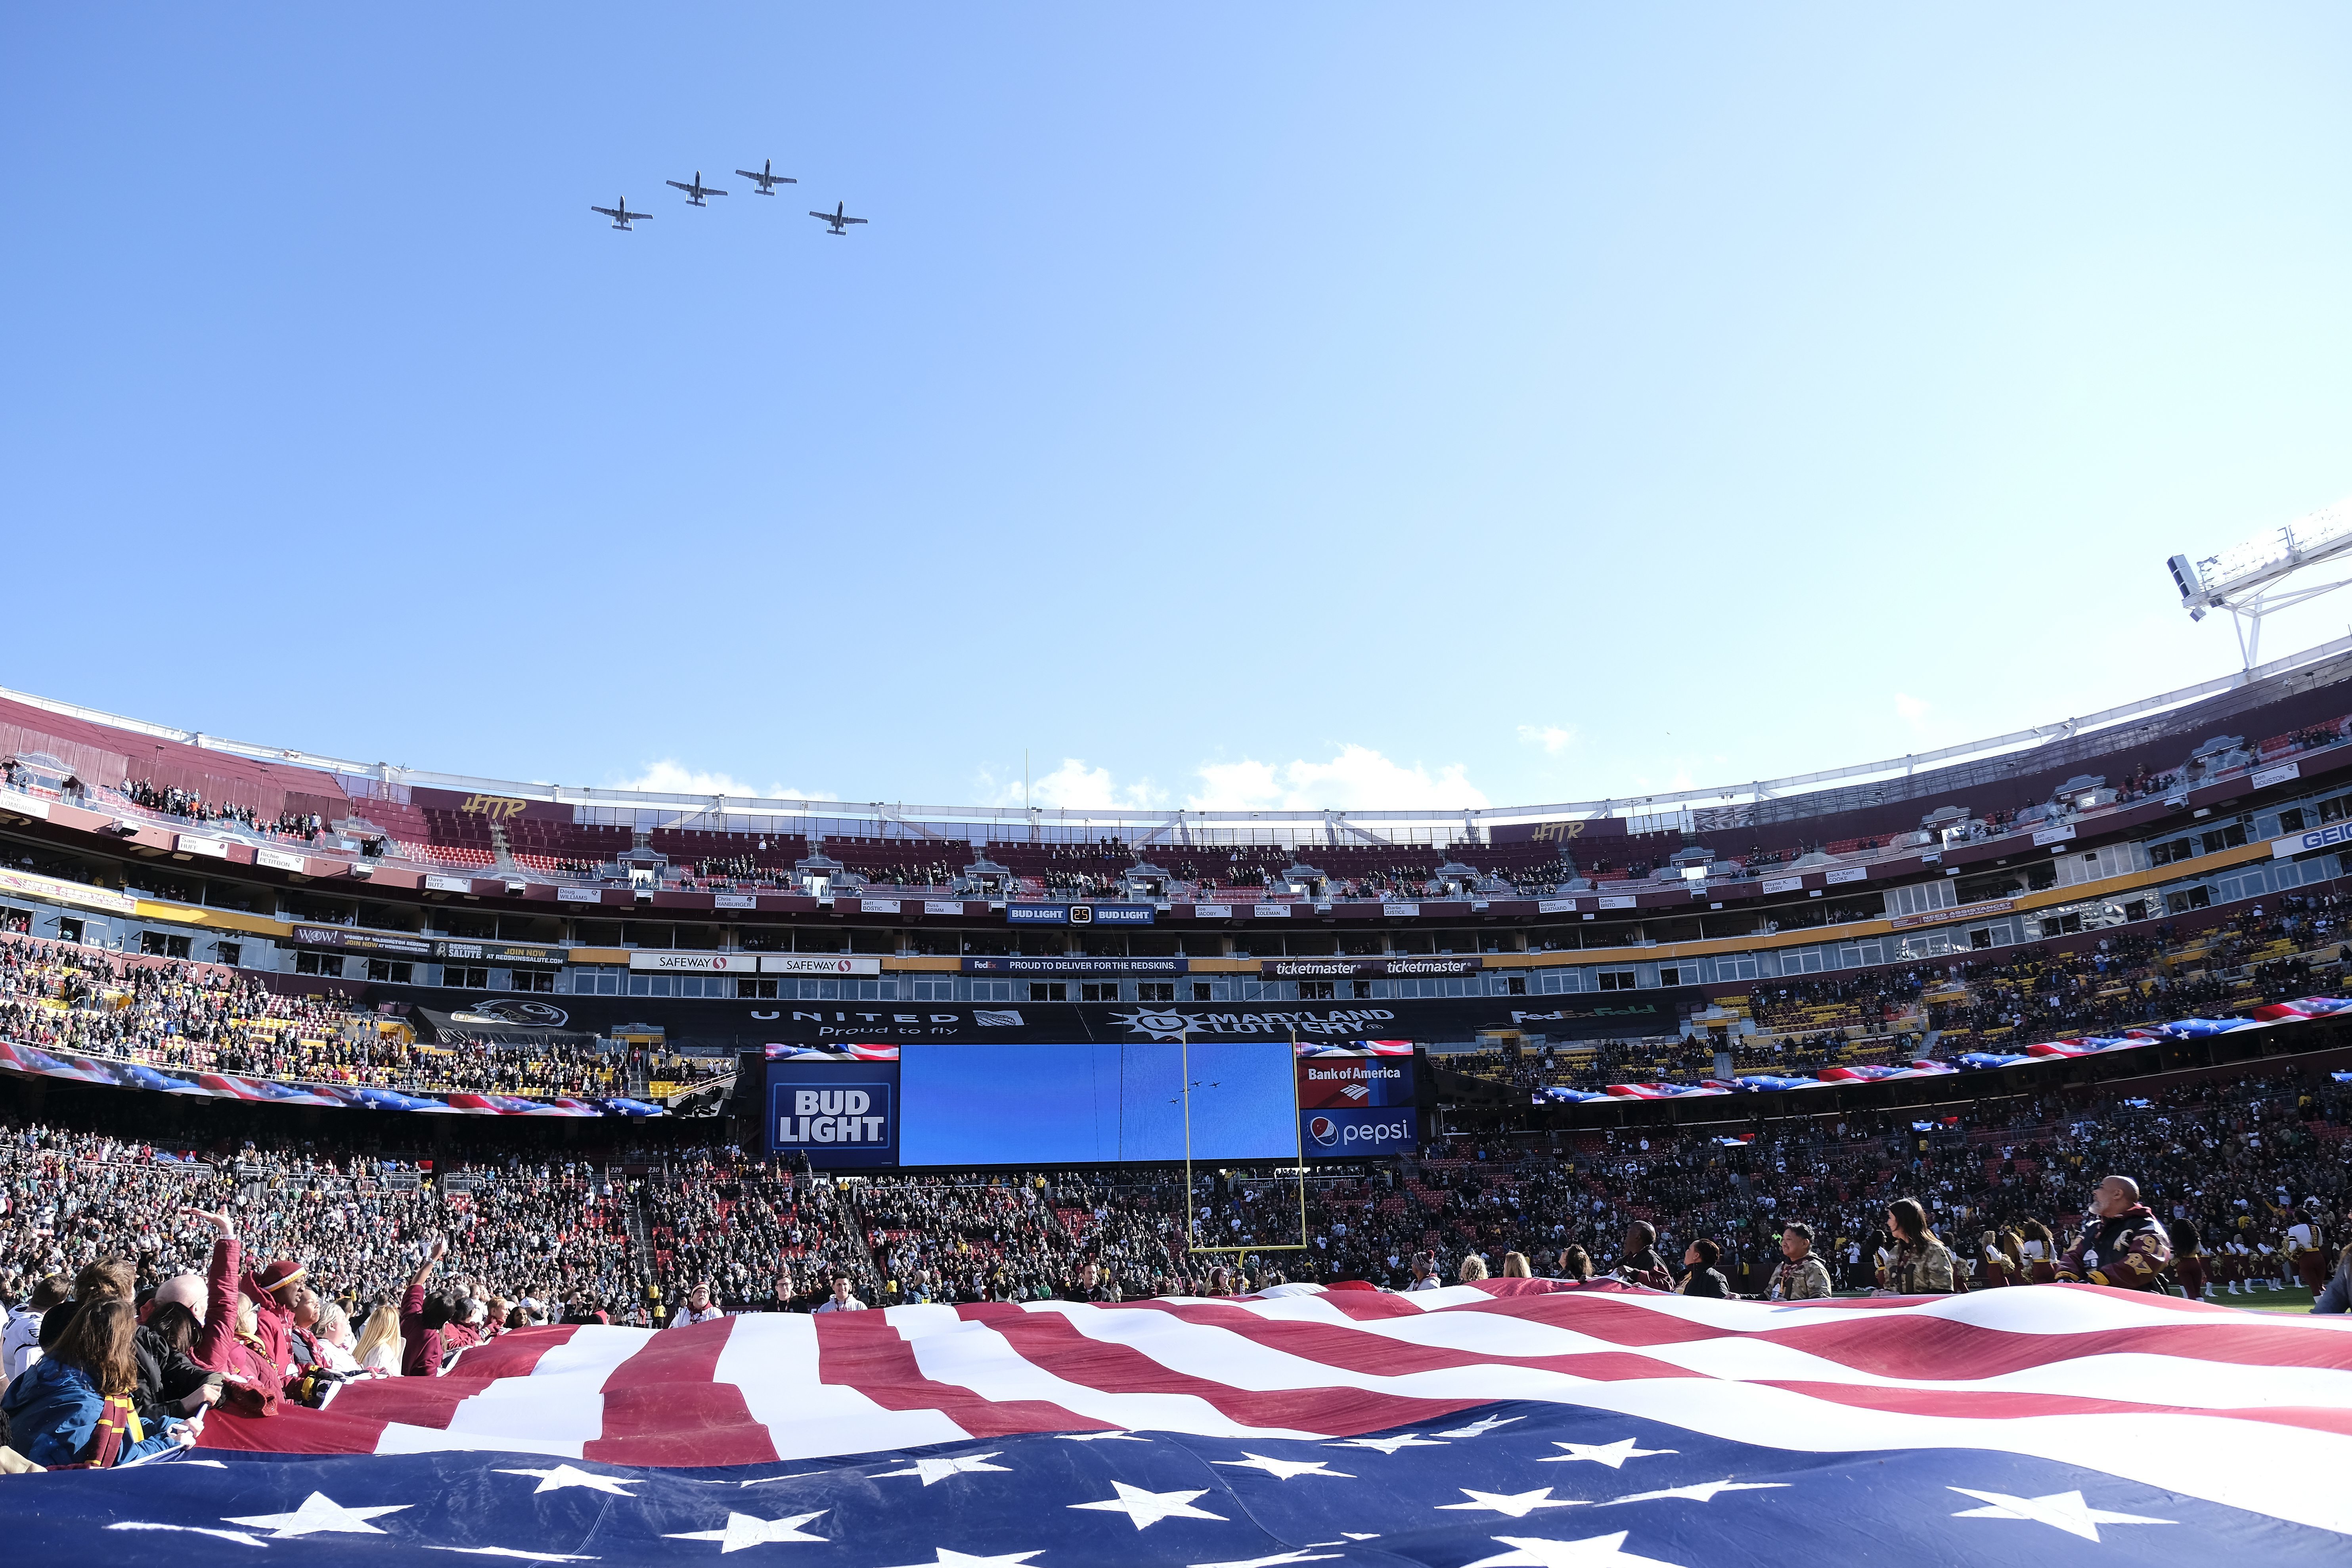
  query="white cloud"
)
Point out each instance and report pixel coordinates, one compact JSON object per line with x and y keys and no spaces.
{"x":670,"y":776}
{"x":1077,"y":787}
{"x":1357,"y":779}
{"x":1912,"y":710}
{"x":1553,"y":738}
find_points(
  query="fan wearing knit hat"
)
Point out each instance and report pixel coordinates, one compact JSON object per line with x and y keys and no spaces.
{"x":272,"y":1294}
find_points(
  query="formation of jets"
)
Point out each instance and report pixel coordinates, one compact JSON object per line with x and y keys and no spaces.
{"x":764,"y":180}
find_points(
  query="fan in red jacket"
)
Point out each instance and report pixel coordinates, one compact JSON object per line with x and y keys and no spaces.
{"x":230,"y":1342}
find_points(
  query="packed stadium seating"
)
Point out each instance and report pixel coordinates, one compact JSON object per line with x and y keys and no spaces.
{"x":2240,"y":1159}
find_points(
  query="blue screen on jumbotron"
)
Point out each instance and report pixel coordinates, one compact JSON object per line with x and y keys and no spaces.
{"x":1013,"y":1104}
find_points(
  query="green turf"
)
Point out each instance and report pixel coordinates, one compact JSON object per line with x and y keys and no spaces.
{"x":2297,"y":1300}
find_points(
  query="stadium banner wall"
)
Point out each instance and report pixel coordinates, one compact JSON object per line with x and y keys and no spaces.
{"x":279,"y":860}
{"x":744,"y":1025}
{"x":1080,"y":914}
{"x":1338,"y":1082}
{"x":1131,"y":968}
{"x":345,"y":939}
{"x":815,"y":963}
{"x":841,"y":1115}
{"x":696,"y":963}
{"x":2336,"y":835}
{"x":35,"y":886}
{"x":504,"y":953}
{"x":1341,"y":1134}
{"x":1359,"y":968}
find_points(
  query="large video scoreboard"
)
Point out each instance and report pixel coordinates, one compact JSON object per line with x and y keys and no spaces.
{"x":857,"y":1106}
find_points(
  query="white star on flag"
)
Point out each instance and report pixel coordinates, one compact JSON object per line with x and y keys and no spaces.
{"x":1385,"y":1445}
{"x":1516,"y":1504}
{"x":1149,"y":1508}
{"x":948,"y":1557}
{"x":1273,"y":1562}
{"x":940,"y":1469}
{"x":749,"y":1530}
{"x":318,"y":1513}
{"x":515,"y":1551}
{"x":1613,"y":1455}
{"x":1283,"y":1469}
{"x":1535,"y":1551}
{"x":2060,"y":1510}
{"x":1699,"y":1491}
{"x":563,"y":1475}
{"x":1480,"y":1427}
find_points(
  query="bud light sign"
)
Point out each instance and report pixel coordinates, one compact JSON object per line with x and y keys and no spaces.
{"x":837,"y":1114}
{"x":1340,"y":1133}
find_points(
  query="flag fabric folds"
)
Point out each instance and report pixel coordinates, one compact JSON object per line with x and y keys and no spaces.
{"x":1506,"y":1423}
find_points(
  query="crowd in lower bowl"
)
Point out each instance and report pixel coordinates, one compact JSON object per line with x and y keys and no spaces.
{"x":151,"y":1286}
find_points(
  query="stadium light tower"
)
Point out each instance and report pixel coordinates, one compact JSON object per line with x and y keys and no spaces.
{"x":2249,"y":580}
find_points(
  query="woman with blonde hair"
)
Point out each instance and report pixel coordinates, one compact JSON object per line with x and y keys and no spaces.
{"x":1473,"y":1268}
{"x":1515,"y":1267}
{"x":378,"y":1345}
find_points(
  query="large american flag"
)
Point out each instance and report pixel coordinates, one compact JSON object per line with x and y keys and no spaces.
{"x":1506,"y":1423}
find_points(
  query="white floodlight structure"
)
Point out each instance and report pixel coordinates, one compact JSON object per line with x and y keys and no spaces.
{"x":2249,"y":580}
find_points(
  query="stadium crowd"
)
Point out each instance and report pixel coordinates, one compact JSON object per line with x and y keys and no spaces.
{"x":360,"y":1267}
{"x":189,"y":806}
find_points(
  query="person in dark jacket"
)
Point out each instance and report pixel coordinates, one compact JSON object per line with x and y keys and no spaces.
{"x":2122,"y":1243}
{"x":1704,"y":1279}
{"x":1639,"y":1262}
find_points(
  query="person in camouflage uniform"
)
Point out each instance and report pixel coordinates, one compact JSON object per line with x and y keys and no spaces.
{"x":1921,"y":1264}
{"x":1801,"y":1277}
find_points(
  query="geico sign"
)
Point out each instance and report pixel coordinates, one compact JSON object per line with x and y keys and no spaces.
{"x":1326,"y":1133}
{"x":831,"y":1116}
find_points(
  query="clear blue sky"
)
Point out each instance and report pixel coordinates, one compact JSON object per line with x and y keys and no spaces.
{"x":1257,"y":405}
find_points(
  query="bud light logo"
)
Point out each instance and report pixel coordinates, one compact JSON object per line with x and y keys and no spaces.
{"x":836,"y":1117}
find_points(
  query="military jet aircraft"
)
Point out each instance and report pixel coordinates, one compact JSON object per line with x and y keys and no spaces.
{"x":696,"y":191}
{"x":767,"y":179}
{"x":620,"y":214}
{"x":838,"y":220}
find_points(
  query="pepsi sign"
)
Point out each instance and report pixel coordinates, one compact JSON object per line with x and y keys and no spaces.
{"x":1340,"y":1133}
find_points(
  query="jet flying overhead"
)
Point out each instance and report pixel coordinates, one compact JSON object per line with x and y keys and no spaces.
{"x":620,"y":214}
{"x":838,"y":221}
{"x":696,"y":191}
{"x":767,"y":179}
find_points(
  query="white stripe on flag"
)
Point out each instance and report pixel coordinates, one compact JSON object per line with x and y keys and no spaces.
{"x":773,"y":1358}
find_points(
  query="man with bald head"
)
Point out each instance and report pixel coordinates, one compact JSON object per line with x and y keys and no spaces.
{"x":2122,"y":1245}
